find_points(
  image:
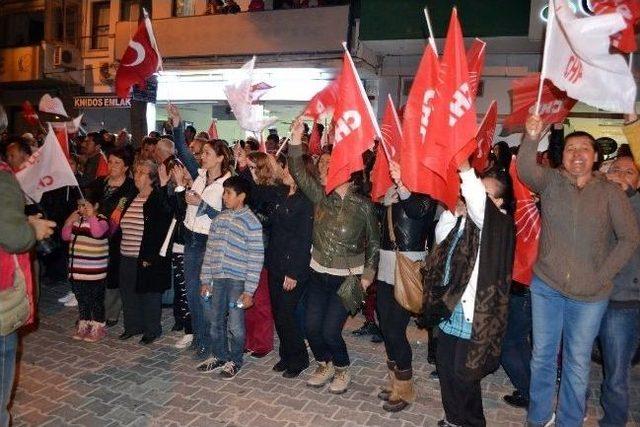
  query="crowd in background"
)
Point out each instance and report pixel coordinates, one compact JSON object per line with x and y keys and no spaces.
{"x":241,"y":240}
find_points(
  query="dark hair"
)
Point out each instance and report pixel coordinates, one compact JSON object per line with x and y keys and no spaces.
{"x":97,"y":137}
{"x":220,"y":147}
{"x":92,"y":194}
{"x":149,"y":140}
{"x":154,"y":134}
{"x":20,"y":142}
{"x":506,"y":187}
{"x":123,"y":154}
{"x":503,"y":157}
{"x":191,"y":128}
{"x":239,"y":185}
{"x":254,"y":144}
{"x":592,"y":141}
{"x":624,"y":151}
{"x":273,"y":137}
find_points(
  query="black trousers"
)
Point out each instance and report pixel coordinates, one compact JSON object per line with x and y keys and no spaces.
{"x":283,"y":306}
{"x":393,"y":319}
{"x":461,"y":398}
{"x":181,"y":312}
{"x":141,"y":311}
{"x":90,"y":296}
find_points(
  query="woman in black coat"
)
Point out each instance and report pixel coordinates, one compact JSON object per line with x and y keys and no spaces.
{"x":287,"y":261}
{"x":144,"y":273}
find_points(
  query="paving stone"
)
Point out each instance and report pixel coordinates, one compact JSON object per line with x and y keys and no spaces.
{"x":97,"y":407}
{"x":90,"y":420}
{"x":67,"y":413}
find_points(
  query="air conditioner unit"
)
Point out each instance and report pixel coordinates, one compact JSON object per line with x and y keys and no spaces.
{"x":64,"y":57}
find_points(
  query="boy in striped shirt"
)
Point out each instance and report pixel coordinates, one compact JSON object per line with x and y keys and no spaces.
{"x":230,"y":272}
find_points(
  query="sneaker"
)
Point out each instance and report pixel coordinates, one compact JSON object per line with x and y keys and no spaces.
{"x":67,"y":297}
{"x":97,"y":332}
{"x":184,"y":342}
{"x":341,"y":381}
{"x":82,"y":330}
{"x":281,"y":366}
{"x":516,"y":399}
{"x":71,"y":302}
{"x":552,"y":421}
{"x":210,"y":365}
{"x":229,"y":371}
{"x":322,"y":375}
{"x":365,"y":329}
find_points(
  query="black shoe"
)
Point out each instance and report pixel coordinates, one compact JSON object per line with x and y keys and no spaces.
{"x":445,"y":423}
{"x":210,"y":365}
{"x":364,"y":329}
{"x":384,"y":395}
{"x":177,"y":327}
{"x":281,"y":366}
{"x":516,"y":399}
{"x":293,"y":373}
{"x":376,"y":337}
{"x":434,"y":375}
{"x":395,"y":405}
{"x":257,"y":355}
{"x":111,"y":323}
{"x":147,"y":340}
{"x":126,"y":335}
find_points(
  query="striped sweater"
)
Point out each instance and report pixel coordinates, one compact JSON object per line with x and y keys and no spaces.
{"x":234,"y":249}
{"x":88,"y":248}
{"x":132,"y":225}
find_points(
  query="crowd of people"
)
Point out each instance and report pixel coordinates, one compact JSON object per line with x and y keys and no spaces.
{"x":246,"y":241}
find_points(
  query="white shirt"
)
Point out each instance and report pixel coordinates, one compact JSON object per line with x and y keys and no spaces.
{"x":476,"y":197}
{"x":211,"y":195}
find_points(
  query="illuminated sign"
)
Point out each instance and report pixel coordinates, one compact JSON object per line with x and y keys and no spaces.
{"x":583,"y":7}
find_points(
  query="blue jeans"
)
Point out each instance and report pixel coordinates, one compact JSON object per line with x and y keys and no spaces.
{"x":227,"y":323}
{"x":325,"y":317}
{"x":618,"y":336}
{"x":516,"y":345}
{"x":195,"y":245}
{"x":559,"y":319}
{"x":8,"y":347}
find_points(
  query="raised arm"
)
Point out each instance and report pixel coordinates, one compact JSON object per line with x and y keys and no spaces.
{"x":530,"y":172}
{"x":185,"y":155}
{"x":307,"y":183}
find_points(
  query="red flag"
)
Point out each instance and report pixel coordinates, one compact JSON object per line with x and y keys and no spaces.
{"x":60,"y":129}
{"x":528,"y":225}
{"x":475,"y":59}
{"x":323,"y":102}
{"x":554,"y":105}
{"x":625,"y":40}
{"x":141,"y":59}
{"x":315,"y":141}
{"x":213,"y":130}
{"x":355,"y":127}
{"x":29,"y":114}
{"x":388,"y":146}
{"x":487,"y":130}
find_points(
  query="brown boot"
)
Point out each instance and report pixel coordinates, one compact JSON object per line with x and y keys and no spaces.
{"x":402,"y":394}
{"x":385,"y":391}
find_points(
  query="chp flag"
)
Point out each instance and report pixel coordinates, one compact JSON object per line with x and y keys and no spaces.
{"x":140,"y":60}
{"x":484,"y":138}
{"x":46,"y":169}
{"x":625,"y":40}
{"x":578,"y":60}
{"x":355,"y":126}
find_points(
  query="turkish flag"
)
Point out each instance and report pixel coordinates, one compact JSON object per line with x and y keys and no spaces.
{"x":60,"y":130}
{"x":555,"y":105}
{"x":324,"y":102}
{"x":475,"y":59}
{"x":387,"y":148}
{"x":213,"y":130}
{"x":315,"y":141}
{"x":355,"y":127}
{"x":480,"y":159}
{"x":528,"y":226}
{"x":454,"y":123}
{"x":141,"y":59}
{"x":29,"y":114}
{"x":624,"y":40}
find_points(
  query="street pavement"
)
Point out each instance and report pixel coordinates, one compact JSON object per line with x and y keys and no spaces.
{"x":62,"y":382}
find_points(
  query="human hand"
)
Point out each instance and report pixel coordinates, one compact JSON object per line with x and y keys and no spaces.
{"x":394,"y":169}
{"x":247,"y":300}
{"x":391,"y":196}
{"x":461,"y":208}
{"x":174,"y":115}
{"x":75,"y":216}
{"x":534,"y":126}
{"x":205,"y":289}
{"x":297,"y":129}
{"x":289,"y":284}
{"x":146,"y":264}
{"x":163,"y":176}
{"x":43,"y":228}
{"x":193,"y":198}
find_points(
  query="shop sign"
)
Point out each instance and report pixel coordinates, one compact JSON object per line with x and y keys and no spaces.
{"x":100,"y":101}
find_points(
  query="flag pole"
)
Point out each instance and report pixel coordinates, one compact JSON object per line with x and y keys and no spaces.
{"x":630,"y":60}
{"x":547,"y":40}
{"x":284,"y":144}
{"x":432,"y":39}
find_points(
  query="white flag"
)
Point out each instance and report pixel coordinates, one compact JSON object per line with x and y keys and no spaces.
{"x":577,"y":59}
{"x":46,"y":169}
{"x":52,"y":105}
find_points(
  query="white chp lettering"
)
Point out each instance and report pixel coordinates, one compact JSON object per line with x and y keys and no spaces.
{"x":547,"y":108}
{"x":460,"y":104}
{"x":347,"y":123}
{"x":427,"y":101}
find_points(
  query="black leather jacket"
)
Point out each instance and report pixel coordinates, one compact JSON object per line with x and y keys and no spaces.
{"x":413,"y":223}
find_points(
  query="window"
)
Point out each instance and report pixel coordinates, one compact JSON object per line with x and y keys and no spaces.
{"x":184,"y":7}
{"x":130,"y":10}
{"x":22,"y":29}
{"x":100,"y":25}
{"x":64,"y":22}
